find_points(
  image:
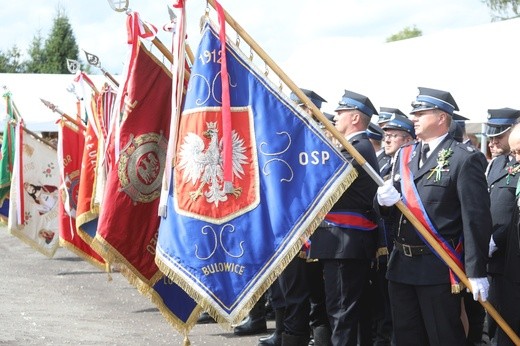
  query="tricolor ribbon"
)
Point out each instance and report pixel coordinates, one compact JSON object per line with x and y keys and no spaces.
{"x":412,"y":200}
{"x":353,"y":220}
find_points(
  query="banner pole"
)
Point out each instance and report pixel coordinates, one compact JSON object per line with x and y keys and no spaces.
{"x":369,"y":169}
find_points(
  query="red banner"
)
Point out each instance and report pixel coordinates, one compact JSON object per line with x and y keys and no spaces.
{"x":71,"y":144}
{"x":128,"y":220}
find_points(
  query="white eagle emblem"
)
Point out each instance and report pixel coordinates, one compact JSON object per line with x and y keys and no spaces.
{"x":205,"y":166}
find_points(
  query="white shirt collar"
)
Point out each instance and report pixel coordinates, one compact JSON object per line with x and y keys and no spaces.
{"x":435,"y":142}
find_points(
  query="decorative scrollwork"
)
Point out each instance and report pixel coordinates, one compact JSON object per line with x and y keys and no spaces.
{"x":231,"y":230}
{"x":215,"y":81}
{"x":265,"y":170}
{"x":200,"y":102}
{"x":220,"y":240}
{"x":204,"y":231}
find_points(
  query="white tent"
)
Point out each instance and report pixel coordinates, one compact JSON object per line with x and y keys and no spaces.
{"x":28,"y":89}
{"x":478,"y":65}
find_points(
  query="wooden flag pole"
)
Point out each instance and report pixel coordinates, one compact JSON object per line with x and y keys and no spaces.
{"x":363,"y":163}
{"x":55,"y":109}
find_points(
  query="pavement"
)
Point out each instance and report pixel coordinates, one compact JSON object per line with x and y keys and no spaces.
{"x":67,"y":301}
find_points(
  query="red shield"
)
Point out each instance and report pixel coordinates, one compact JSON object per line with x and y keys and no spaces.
{"x":199,"y":184}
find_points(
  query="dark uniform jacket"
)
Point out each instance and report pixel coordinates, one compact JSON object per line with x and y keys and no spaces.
{"x":456,"y":204}
{"x":502,"y":180}
{"x":512,"y":253}
{"x":384,"y":163}
{"x":340,"y":243}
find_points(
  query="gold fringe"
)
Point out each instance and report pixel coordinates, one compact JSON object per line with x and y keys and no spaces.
{"x":18,"y":233}
{"x":350,"y":176}
{"x":457,"y":288}
{"x":144,"y":286}
{"x":72,"y":248}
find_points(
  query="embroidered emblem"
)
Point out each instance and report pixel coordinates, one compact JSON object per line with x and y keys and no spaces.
{"x":199,"y":172}
{"x":141,"y":166}
{"x":204,"y":165}
{"x":70,"y":191}
{"x":442,"y":163}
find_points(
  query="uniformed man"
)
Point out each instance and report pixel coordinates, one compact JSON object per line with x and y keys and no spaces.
{"x":346,"y":241}
{"x":398,"y":131}
{"x":302,"y":287}
{"x":475,"y":313}
{"x":509,"y":289}
{"x":502,"y":180}
{"x":443,"y":181}
{"x":375,"y":135}
{"x":387,"y":113}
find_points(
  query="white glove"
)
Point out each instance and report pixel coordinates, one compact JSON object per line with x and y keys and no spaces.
{"x":387,"y":195}
{"x":492,"y":246}
{"x":479,"y":286}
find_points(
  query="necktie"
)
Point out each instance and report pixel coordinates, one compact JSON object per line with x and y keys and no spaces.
{"x":424,"y":153}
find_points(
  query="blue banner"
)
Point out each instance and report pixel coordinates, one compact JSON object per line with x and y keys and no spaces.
{"x":226,"y":246}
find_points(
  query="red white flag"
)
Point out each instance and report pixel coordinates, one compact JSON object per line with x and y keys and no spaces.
{"x":33,"y":208}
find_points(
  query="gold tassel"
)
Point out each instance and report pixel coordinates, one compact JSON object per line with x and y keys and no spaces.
{"x":186,"y":341}
{"x":108,"y":269}
{"x":457,"y":288}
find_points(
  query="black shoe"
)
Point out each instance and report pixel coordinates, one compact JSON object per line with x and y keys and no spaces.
{"x":205,"y":318}
{"x":274,"y":339}
{"x":251,"y":327}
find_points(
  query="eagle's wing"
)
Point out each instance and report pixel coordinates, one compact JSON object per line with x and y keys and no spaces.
{"x":192,"y":157}
{"x":237,"y":156}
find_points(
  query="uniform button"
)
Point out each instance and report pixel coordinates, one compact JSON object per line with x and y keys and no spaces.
{"x":405,"y":221}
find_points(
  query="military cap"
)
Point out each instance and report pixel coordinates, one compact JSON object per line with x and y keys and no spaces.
{"x":460,"y":120}
{"x":500,"y":120}
{"x":434,"y":99}
{"x":375,"y":132}
{"x":330,"y":117}
{"x":352,"y":100}
{"x":315,"y":98}
{"x":456,"y":131}
{"x":385,"y":114}
{"x":400,"y":122}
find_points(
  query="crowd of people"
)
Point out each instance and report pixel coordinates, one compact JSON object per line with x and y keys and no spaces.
{"x":373,"y":277}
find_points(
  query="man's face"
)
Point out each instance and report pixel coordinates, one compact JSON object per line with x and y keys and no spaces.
{"x":426,"y":123}
{"x":514,"y":144}
{"x":394,"y":139}
{"x":343,"y":120}
{"x":498,"y":145}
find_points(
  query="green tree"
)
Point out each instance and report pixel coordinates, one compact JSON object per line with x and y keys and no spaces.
{"x":503,"y":9}
{"x":10,"y":61}
{"x":408,"y":32}
{"x":59,"y":46}
{"x":36,"y":53}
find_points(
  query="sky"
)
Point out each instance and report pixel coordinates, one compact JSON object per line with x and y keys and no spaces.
{"x":278,"y":26}
{"x":300,"y":36}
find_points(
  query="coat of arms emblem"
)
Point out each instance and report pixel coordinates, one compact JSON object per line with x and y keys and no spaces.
{"x":141,"y":166}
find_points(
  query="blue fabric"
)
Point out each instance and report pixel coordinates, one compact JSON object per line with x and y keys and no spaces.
{"x":226,"y":259}
{"x":4,"y":209}
{"x":445,"y":106}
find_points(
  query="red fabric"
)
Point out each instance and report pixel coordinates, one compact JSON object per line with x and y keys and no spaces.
{"x":87,"y":177}
{"x":73,"y":144}
{"x":128,"y":225}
